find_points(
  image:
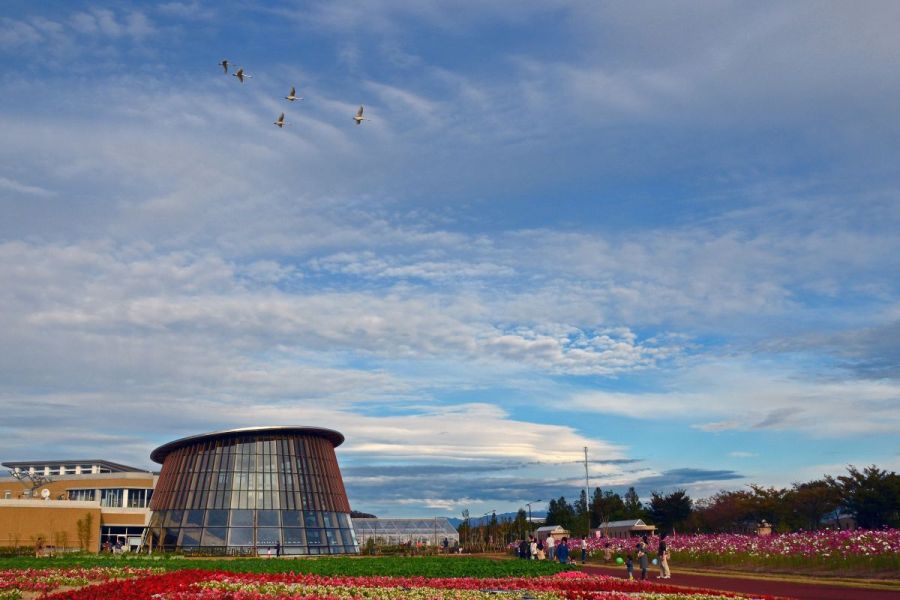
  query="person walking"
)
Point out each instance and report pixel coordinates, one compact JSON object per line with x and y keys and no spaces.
{"x":532,"y":548}
{"x":607,"y":552}
{"x":662,"y":554}
{"x":524,"y":550}
{"x":583,"y":550}
{"x":562,"y":551}
{"x":629,"y":567}
{"x":643,"y":560}
{"x":551,"y":547}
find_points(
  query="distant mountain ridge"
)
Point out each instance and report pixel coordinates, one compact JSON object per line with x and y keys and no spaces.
{"x":509,"y":516}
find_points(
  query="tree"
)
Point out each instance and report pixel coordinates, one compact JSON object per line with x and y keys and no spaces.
{"x":633,"y":507}
{"x":812,"y":501}
{"x":770,"y":504}
{"x":605,"y":507}
{"x":464,"y":528}
{"x":521,"y":525}
{"x":560,"y":512}
{"x":598,"y":514}
{"x":355,"y":514}
{"x":85,"y":530}
{"x":724,"y":512}
{"x":580,"y":522}
{"x":668,"y":511}
{"x":872,"y":496}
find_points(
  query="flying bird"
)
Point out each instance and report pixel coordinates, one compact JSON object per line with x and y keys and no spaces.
{"x":241,"y":75}
{"x":359,"y":116}
{"x":280,"y":121}
{"x":293,"y":95}
{"x":224,"y":65}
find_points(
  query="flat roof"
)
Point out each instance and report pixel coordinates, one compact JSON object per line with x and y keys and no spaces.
{"x":115,"y":467}
{"x":335,"y":437}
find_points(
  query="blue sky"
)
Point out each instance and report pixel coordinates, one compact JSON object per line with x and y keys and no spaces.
{"x":669,"y":233}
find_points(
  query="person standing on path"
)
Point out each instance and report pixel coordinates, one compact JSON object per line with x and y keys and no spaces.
{"x":629,"y":567}
{"x":562,"y":552}
{"x":532,"y":548}
{"x":643,"y":559}
{"x":583,"y":549}
{"x":663,"y":555}
{"x":551,"y":547}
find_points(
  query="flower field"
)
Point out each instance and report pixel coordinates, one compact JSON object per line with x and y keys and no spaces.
{"x":218,"y":585}
{"x":258,"y":579}
{"x":15,"y":581}
{"x":859,"y":550}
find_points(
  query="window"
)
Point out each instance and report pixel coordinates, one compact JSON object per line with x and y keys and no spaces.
{"x":194,"y":518}
{"x":214,"y":536}
{"x":268,"y":536}
{"x":111,"y":497}
{"x":190,"y":537}
{"x":242,"y":518}
{"x":82,"y":495}
{"x":240,"y":536}
{"x":7,"y":494}
{"x":216,"y":518}
{"x":138,"y":498}
{"x":267,"y":518}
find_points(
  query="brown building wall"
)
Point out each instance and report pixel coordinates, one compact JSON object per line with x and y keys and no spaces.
{"x":21,"y":525}
{"x":58,"y":487}
{"x":133,"y":519}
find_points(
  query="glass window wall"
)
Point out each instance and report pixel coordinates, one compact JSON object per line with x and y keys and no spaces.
{"x":247,"y":494}
{"x":111,"y":497}
{"x":82,"y":495}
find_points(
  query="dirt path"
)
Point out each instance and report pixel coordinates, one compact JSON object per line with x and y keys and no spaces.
{"x":770,"y":587}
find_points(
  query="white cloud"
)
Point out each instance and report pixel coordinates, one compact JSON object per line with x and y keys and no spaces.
{"x":15,"y":186}
{"x":176,"y":249}
{"x":744,"y":396}
{"x":186,"y":10}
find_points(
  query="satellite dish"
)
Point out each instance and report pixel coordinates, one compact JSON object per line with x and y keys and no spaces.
{"x":45,"y":493}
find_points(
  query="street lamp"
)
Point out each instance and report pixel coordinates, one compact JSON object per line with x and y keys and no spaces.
{"x":528,"y":504}
{"x":487,"y":526}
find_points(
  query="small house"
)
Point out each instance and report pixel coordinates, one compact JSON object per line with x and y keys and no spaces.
{"x":624,"y":529}
{"x":542,"y":533}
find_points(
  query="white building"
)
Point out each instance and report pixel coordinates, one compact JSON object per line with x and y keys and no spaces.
{"x":624,"y":529}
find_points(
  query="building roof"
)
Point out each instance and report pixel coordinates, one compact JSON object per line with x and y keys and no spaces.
{"x":113,"y":467}
{"x":369,"y":526}
{"x":159,"y":455}
{"x":625,"y":523}
{"x":551,"y":528}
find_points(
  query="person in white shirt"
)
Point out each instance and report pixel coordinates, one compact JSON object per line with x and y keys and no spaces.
{"x":551,"y":547}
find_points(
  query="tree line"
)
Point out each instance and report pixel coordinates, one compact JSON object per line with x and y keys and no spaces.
{"x":871,"y":496}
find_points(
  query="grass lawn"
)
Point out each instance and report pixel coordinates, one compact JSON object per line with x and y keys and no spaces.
{"x":355,"y":566}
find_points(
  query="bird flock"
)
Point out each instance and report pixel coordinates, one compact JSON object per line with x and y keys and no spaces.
{"x":291,"y":97}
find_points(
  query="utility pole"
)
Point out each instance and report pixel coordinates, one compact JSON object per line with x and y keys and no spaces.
{"x":587,"y":487}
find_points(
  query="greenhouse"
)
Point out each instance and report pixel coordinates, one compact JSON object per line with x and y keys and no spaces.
{"x":394,"y":532}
